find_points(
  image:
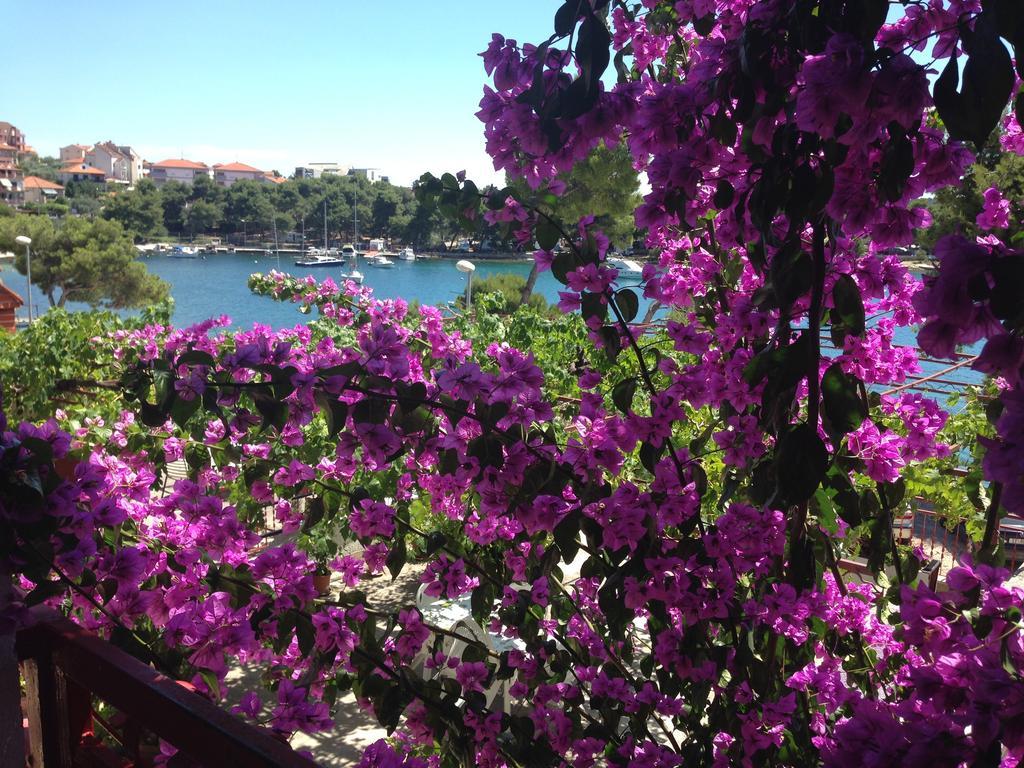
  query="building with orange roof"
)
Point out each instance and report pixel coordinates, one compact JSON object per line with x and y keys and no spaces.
{"x":119,"y":163}
{"x":81,"y":172}
{"x":74,"y":153}
{"x":274,"y":179}
{"x":181,"y":170}
{"x":38,"y":190}
{"x":9,"y":303}
{"x":13,"y":137}
{"x":226,"y":174}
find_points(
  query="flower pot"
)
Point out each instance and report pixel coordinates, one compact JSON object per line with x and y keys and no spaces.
{"x":322,"y":583}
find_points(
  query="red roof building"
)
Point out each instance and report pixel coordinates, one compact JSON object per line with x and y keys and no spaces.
{"x":185,"y":171}
{"x":226,"y":174}
{"x":9,"y":302}
{"x":80,"y":172}
{"x":38,"y":190}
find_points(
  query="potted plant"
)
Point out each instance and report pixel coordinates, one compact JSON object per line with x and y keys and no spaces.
{"x":321,"y":549}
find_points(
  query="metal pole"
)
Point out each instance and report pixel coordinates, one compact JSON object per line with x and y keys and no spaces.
{"x":469,"y":290}
{"x":28,"y":271}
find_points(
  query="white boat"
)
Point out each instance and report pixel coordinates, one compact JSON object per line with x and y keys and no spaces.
{"x":627,"y":267}
{"x":407,"y":254}
{"x":378,"y":260}
{"x":184,"y":252}
{"x":319,"y":259}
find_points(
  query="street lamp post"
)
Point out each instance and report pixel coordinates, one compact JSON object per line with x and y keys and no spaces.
{"x":27,"y":242}
{"x":243,"y":233}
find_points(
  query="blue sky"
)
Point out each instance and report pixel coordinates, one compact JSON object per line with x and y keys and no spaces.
{"x":386,"y":84}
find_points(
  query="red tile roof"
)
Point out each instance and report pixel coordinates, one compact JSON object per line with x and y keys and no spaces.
{"x":181,"y":164}
{"x":34,"y":182}
{"x":86,"y":169}
{"x":241,"y":167}
{"x":9,"y":299}
{"x":275,"y":179}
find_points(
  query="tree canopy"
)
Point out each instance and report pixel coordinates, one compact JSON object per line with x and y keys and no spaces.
{"x":90,"y":261}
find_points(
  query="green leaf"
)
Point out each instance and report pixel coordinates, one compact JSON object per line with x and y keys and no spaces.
{"x":724,"y":195}
{"x":547,"y":233}
{"x":274,"y":412}
{"x":974,"y":112}
{"x":628,"y":303}
{"x":800,"y":463}
{"x":396,"y":557}
{"x":210,"y":678}
{"x":335,"y":412}
{"x":44,"y":591}
{"x":564,"y":263}
{"x":315,"y":510}
{"x":650,"y":455}
{"x":593,"y":305}
{"x":182,"y":410}
{"x":623,"y":393}
{"x":843,"y":406}
{"x":305,"y":633}
{"x":847,"y":314}
{"x":195,"y":357}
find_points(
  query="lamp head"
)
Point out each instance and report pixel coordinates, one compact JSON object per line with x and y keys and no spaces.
{"x":23,"y":239}
{"x":465,"y":266}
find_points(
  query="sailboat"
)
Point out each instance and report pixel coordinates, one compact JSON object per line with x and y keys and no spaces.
{"x":348,"y":251}
{"x":317,"y":258}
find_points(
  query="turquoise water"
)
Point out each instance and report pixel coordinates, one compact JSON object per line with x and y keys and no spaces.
{"x":218,"y":285}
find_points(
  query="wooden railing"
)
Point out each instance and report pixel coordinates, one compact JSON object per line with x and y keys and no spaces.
{"x":66,"y":666}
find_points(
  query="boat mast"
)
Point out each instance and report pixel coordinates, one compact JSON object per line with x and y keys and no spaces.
{"x":277,"y":248}
{"x":325,"y":225}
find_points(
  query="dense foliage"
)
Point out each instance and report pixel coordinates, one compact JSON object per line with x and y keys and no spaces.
{"x":90,"y":261}
{"x":650,"y":522}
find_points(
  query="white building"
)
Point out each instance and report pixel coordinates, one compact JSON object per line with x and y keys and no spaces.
{"x":316,"y":170}
{"x":227,"y":174}
{"x":116,"y":165}
{"x":181,"y":170}
{"x":371,"y":174}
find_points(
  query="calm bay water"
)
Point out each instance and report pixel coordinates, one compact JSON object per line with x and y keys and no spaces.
{"x":218,"y":285}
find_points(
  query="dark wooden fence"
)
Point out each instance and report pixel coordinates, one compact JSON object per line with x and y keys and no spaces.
{"x":66,"y":666}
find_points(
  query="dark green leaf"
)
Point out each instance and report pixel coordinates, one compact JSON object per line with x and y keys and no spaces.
{"x":547,"y":233}
{"x":724,"y":195}
{"x":628,"y":303}
{"x":848,"y":310}
{"x":593,"y":305}
{"x":195,"y":357}
{"x":843,"y":406}
{"x":396,"y":557}
{"x":623,"y":393}
{"x":800,"y":463}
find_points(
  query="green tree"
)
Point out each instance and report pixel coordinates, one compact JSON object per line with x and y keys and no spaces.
{"x":43,"y":167}
{"x":91,"y":261}
{"x":247,"y":206}
{"x":139,"y":211}
{"x":605,"y":185}
{"x":173,"y":199}
{"x":954,"y":209}
{"x":203,"y":216}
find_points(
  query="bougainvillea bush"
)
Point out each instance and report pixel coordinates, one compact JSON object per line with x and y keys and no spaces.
{"x":657,"y":523}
